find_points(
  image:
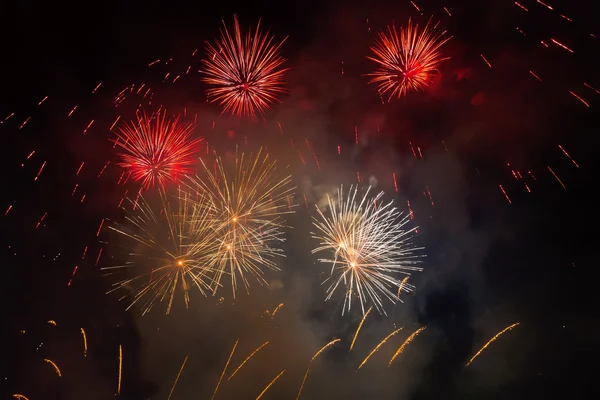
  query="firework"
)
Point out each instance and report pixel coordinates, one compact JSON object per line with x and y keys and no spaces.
{"x":120,"y":369}
{"x":247,"y":358}
{"x":244,"y":71}
{"x":269,"y":385}
{"x":492,"y":340}
{"x":246,"y":204}
{"x":378,"y":346}
{"x":369,"y":246}
{"x":168,"y":248}
{"x":157,"y":150}
{"x":406,"y":61}
{"x":177,"y":378}
{"x":55,"y":366}
{"x":224,"y":369}
{"x":362,"y":321}
{"x":406,"y":343}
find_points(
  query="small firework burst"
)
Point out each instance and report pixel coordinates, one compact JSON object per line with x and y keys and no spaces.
{"x":246,"y":201}
{"x":407,"y":61}
{"x":157,"y":150}
{"x":245,"y":72}
{"x":166,"y":248}
{"x":370,"y":247}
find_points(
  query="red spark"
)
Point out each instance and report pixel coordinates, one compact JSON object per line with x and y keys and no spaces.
{"x":157,"y":150}
{"x":407,"y":61}
{"x":245,"y":71}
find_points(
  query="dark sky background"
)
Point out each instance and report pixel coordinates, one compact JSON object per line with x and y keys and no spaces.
{"x":489,"y":263}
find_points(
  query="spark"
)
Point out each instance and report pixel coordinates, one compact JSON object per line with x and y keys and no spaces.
{"x":19,"y":396}
{"x":247,"y":358}
{"x":585,"y":103}
{"x":568,"y":156}
{"x":362,"y":321}
{"x":84,"y":342}
{"x":276,"y":309}
{"x":120,"y":368}
{"x":378,"y":346}
{"x":328,"y":345}
{"x":402,"y":284}
{"x":246,"y":201}
{"x":157,"y":150}
{"x":406,"y":343}
{"x":168,"y":249}
{"x":557,"y":178}
{"x":370,"y":245}
{"x":486,"y":61}
{"x":177,"y":378}
{"x":245,"y":71}
{"x":303,"y":382}
{"x":224,"y":369}
{"x":508,"y":328}
{"x":406,"y":61}
{"x":269,"y":385}
{"x":54,"y":365}
{"x":559,"y":44}
{"x":52,"y":322}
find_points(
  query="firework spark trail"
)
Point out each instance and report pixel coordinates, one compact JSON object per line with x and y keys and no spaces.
{"x":174,"y":243}
{"x":120,"y":369}
{"x":303,"y":382}
{"x":246,"y":203}
{"x":224,"y":370}
{"x":276,"y":309}
{"x":378,"y":346}
{"x":247,"y":358}
{"x":406,"y":343}
{"x":370,"y":247}
{"x":328,"y":345}
{"x":54,"y":365}
{"x":19,"y":396}
{"x":269,"y":385}
{"x":508,"y":328}
{"x":245,"y":71}
{"x":157,"y":150}
{"x":362,"y":321}
{"x":84,"y":342}
{"x":406,"y":61}
{"x":177,"y":378}
{"x":52,"y":322}
{"x":402,"y":284}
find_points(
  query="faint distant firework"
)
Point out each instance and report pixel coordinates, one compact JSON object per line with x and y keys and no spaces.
{"x":369,"y":247}
{"x":245,"y":71}
{"x":166,"y":246}
{"x":157,"y":149}
{"x":245,"y":202}
{"x":406,"y":61}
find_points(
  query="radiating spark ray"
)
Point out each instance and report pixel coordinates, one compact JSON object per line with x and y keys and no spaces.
{"x":53,"y":365}
{"x":328,"y":345}
{"x":303,"y":382}
{"x":84,"y":342}
{"x":120,"y":368}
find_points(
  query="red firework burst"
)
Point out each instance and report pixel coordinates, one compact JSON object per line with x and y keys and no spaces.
{"x":245,"y":71}
{"x":157,"y":150}
{"x":407,"y":61}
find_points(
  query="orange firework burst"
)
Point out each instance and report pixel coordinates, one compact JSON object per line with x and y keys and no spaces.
{"x":157,"y":150}
{"x":245,"y":72}
{"x":407,"y":61}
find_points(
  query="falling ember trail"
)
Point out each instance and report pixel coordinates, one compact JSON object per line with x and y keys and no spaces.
{"x":505,"y":195}
{"x":568,"y":156}
{"x":559,"y":44}
{"x":328,"y":345}
{"x":378,"y":346}
{"x":269,"y":385}
{"x":40,"y":171}
{"x":508,"y":328}
{"x":52,"y":322}
{"x":535,"y":76}
{"x":177,"y":378}
{"x":84,"y":342}
{"x":54,"y":365}
{"x":120,"y":368}
{"x":486,"y":61}
{"x":224,"y":369}
{"x":557,"y":178}
{"x":362,"y":321}
{"x":19,"y":396}
{"x":402,"y":286}
{"x":585,"y":103}
{"x":302,"y":384}
{"x":100,"y":227}
{"x":406,"y":343}
{"x":246,"y":360}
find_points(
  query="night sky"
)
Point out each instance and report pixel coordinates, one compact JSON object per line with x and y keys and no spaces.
{"x":490,"y":262}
